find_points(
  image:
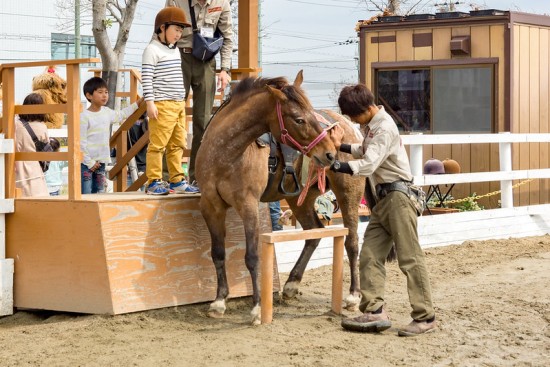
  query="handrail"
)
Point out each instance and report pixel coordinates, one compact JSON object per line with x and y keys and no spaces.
{"x":32,"y":64}
{"x":71,"y":108}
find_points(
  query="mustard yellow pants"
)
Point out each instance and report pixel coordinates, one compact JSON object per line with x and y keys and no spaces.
{"x":166,"y":134}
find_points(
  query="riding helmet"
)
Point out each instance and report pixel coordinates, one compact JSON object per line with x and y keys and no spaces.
{"x":433,"y":167}
{"x":451,"y":166}
{"x":171,"y":15}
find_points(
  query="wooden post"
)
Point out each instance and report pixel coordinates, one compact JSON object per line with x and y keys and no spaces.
{"x":248,"y":36}
{"x":8,"y":126}
{"x":337,"y":274}
{"x":268,"y":254}
{"x":73,"y":130}
{"x":416,"y":158}
{"x":505,"y":159}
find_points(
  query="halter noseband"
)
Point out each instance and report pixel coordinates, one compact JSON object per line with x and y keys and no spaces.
{"x":286,"y":136}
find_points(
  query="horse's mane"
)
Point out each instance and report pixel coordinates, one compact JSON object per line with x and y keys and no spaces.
{"x":251,"y":86}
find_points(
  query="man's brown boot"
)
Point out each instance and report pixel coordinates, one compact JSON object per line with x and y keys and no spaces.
{"x":417,"y":327}
{"x":369,"y":322}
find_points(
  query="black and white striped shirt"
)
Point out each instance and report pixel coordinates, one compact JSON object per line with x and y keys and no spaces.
{"x":161,"y":75}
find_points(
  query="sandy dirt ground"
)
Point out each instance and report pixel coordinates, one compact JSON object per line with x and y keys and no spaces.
{"x":492,"y":300}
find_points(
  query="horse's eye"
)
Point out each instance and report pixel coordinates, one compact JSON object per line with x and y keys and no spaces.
{"x":300,"y":121}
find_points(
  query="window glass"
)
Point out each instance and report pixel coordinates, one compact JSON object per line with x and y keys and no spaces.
{"x":62,"y":47}
{"x":462,"y":100}
{"x":405,"y":94}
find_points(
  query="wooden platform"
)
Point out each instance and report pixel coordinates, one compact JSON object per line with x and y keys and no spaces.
{"x":119,"y":253}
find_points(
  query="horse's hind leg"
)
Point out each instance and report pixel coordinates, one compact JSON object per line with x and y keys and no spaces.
{"x":348,"y":193}
{"x":306,"y":215}
{"x":215,"y":220}
{"x":250,"y":216}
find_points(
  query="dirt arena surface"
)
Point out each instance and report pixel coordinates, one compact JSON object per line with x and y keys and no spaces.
{"x":492,"y":300}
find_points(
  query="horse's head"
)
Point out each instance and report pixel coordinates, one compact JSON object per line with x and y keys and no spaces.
{"x":296,"y":124}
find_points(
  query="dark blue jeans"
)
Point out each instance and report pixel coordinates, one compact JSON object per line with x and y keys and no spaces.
{"x":275,"y":213}
{"x":93,"y":182}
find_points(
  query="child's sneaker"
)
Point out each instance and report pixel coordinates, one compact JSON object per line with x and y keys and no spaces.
{"x":183,"y":187}
{"x":156,"y":188}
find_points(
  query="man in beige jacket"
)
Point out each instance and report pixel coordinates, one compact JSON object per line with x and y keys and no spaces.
{"x":382,"y":158}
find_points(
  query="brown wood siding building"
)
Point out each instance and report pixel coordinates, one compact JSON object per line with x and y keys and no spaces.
{"x":512,"y":47}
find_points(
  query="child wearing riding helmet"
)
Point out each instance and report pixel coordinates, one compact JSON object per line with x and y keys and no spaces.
{"x":164,"y":93}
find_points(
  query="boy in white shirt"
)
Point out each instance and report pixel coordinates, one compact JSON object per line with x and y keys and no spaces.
{"x":95,"y":131}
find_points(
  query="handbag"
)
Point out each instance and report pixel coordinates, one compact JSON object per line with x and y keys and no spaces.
{"x":204,"y":48}
{"x":39,"y":145}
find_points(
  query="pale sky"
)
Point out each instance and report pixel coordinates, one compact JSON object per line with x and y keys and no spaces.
{"x":311,"y":35}
{"x":307,"y":34}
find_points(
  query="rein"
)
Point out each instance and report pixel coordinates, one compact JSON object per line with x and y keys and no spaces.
{"x":286,"y":136}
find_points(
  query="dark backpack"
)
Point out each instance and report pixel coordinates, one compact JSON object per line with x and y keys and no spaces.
{"x":39,"y":145}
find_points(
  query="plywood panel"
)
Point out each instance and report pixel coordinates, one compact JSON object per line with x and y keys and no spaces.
{"x":480,"y":41}
{"x":480,"y":158}
{"x":514,"y":123}
{"x":544,"y":117}
{"x":524,"y":86}
{"x":372,"y":56}
{"x":386,"y":50}
{"x":60,"y":263}
{"x":423,"y":53}
{"x":404,"y":46}
{"x":118,"y":255}
{"x":534,"y":108}
{"x":460,"y":31}
{"x":497,"y":50}
{"x":442,"y":43}
{"x":442,"y":151}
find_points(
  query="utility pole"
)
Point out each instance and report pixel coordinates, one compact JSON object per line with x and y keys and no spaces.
{"x":260,"y":37}
{"x":77,"y":29}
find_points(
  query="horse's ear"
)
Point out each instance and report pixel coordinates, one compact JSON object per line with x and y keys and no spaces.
{"x":277,"y":93}
{"x":299,"y":78}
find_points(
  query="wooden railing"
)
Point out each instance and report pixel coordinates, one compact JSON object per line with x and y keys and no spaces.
{"x":71,"y":108}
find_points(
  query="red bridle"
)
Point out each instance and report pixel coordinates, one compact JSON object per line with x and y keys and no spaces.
{"x":286,"y":136}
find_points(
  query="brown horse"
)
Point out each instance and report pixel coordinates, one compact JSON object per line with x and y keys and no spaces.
{"x":232,"y":171}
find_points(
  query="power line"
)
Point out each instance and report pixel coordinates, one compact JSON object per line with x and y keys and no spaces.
{"x":321,"y":4}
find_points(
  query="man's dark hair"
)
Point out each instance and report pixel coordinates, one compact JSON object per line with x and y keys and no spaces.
{"x":33,"y":98}
{"x":92,"y":85}
{"x":355,"y":99}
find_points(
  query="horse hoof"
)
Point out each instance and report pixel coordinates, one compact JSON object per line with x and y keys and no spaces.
{"x":290,"y":290}
{"x":352,"y":302}
{"x":256,"y":314}
{"x":217,"y":309}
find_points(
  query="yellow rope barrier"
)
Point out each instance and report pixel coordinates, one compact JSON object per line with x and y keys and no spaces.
{"x":477,"y":197}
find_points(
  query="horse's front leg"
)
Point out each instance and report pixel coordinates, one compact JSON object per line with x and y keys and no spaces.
{"x":215,"y":220}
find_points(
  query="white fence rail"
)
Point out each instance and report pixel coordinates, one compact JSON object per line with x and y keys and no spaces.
{"x":455,"y":228}
{"x":505,"y":175}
